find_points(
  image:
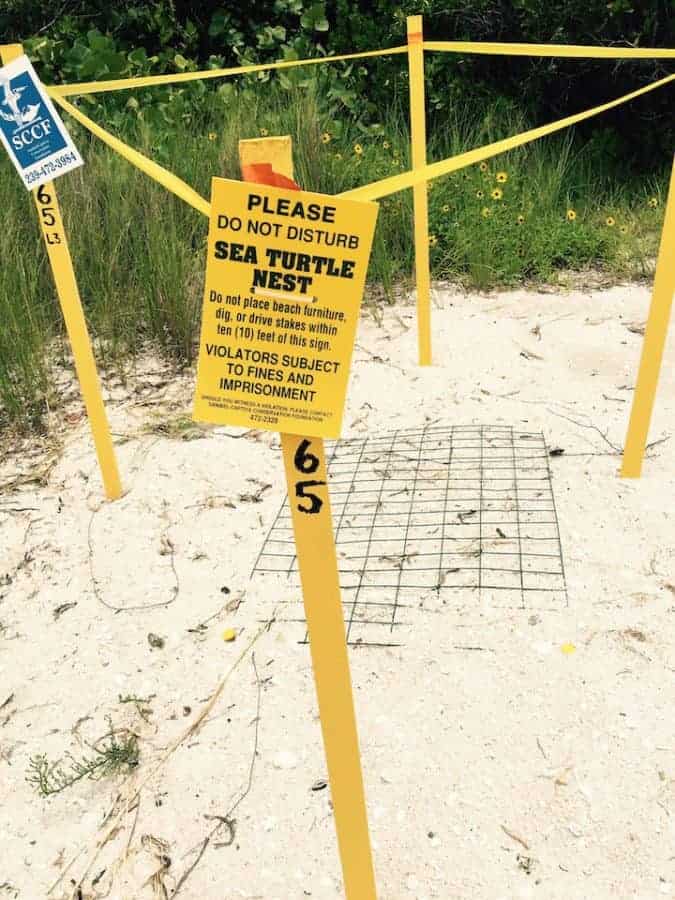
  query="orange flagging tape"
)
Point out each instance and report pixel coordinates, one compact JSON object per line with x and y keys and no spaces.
{"x":263,"y":173}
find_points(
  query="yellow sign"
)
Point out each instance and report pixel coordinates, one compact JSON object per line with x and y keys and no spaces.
{"x":284,"y":280}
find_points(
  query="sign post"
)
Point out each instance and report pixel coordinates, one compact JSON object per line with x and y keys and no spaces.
{"x":284,"y":281}
{"x":653,"y":344}
{"x":60,"y":260}
{"x":418,"y":137}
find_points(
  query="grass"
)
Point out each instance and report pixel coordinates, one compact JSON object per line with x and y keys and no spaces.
{"x":139,"y":252}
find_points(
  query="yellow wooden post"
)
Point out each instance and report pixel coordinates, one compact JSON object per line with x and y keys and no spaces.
{"x":305,"y":465}
{"x":653,"y":344}
{"x":418,"y":138}
{"x":58,"y":252}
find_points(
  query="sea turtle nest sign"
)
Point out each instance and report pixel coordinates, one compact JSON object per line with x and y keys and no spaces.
{"x":284,"y":279}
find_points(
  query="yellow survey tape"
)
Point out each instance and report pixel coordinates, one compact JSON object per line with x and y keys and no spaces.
{"x":377,"y":189}
{"x":559,"y":50}
{"x":556,"y":50}
{"x":124,"y":84}
{"x":159,"y":174}
{"x":395,"y":183}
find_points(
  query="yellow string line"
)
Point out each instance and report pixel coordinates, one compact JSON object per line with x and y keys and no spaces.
{"x":395,"y":183}
{"x":376,"y":189}
{"x":556,"y":50}
{"x":501,"y":49}
{"x":159,"y":174}
{"x":123,"y":84}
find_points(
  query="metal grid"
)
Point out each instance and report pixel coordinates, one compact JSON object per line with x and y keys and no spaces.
{"x":465,"y":512}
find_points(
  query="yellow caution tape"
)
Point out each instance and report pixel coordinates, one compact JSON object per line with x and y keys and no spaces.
{"x":159,"y":174}
{"x":395,"y":183}
{"x":376,"y":189}
{"x":558,"y":50}
{"x":501,"y":49}
{"x":124,"y":84}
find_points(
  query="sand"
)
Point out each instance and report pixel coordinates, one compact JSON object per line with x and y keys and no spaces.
{"x":542,"y":765}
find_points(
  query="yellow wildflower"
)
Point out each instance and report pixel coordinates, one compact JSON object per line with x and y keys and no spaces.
{"x":653,"y":202}
{"x":571,"y":215}
{"x":358,"y":149}
{"x":497,"y":194}
{"x":338,"y":156}
{"x":325,"y":138}
{"x":480,"y":195}
{"x":624,"y":229}
{"x":433,"y":240}
{"x":610,"y":222}
{"x":264,"y":132}
{"x":520,"y":220}
{"x":483,"y":166}
{"x":486,"y":212}
{"x":386,"y":145}
{"x":212,"y":135}
{"x":445,"y":208}
{"x":501,"y":177}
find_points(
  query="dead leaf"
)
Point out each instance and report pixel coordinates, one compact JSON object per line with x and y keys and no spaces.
{"x":635,"y":327}
{"x":636,"y":634}
{"x":529,"y":355}
{"x":515,"y":837}
{"x":64,"y":607}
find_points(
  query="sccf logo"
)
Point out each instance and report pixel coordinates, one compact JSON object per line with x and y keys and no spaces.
{"x":35,"y":132}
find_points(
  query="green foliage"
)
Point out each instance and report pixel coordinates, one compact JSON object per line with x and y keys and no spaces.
{"x":544,"y":89}
{"x":94,"y":39}
{"x":112,"y":757}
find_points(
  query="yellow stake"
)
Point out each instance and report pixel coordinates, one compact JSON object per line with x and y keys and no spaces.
{"x":418,"y":137}
{"x":56,"y":242}
{"x":317,"y":561}
{"x":653,"y":344}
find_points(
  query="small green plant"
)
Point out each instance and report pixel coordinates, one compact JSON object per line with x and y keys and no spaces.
{"x":142,"y":704}
{"x":112,"y":755}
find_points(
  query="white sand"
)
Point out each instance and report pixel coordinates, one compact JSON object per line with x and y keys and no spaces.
{"x":573,"y":754}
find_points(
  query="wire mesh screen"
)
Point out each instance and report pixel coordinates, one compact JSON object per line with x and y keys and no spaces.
{"x":463,"y":512}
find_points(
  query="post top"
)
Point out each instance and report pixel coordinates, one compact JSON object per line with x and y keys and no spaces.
{"x":10,"y":52}
{"x":276,"y":150}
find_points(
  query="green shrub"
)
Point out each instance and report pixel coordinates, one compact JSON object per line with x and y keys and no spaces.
{"x":95,"y":39}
